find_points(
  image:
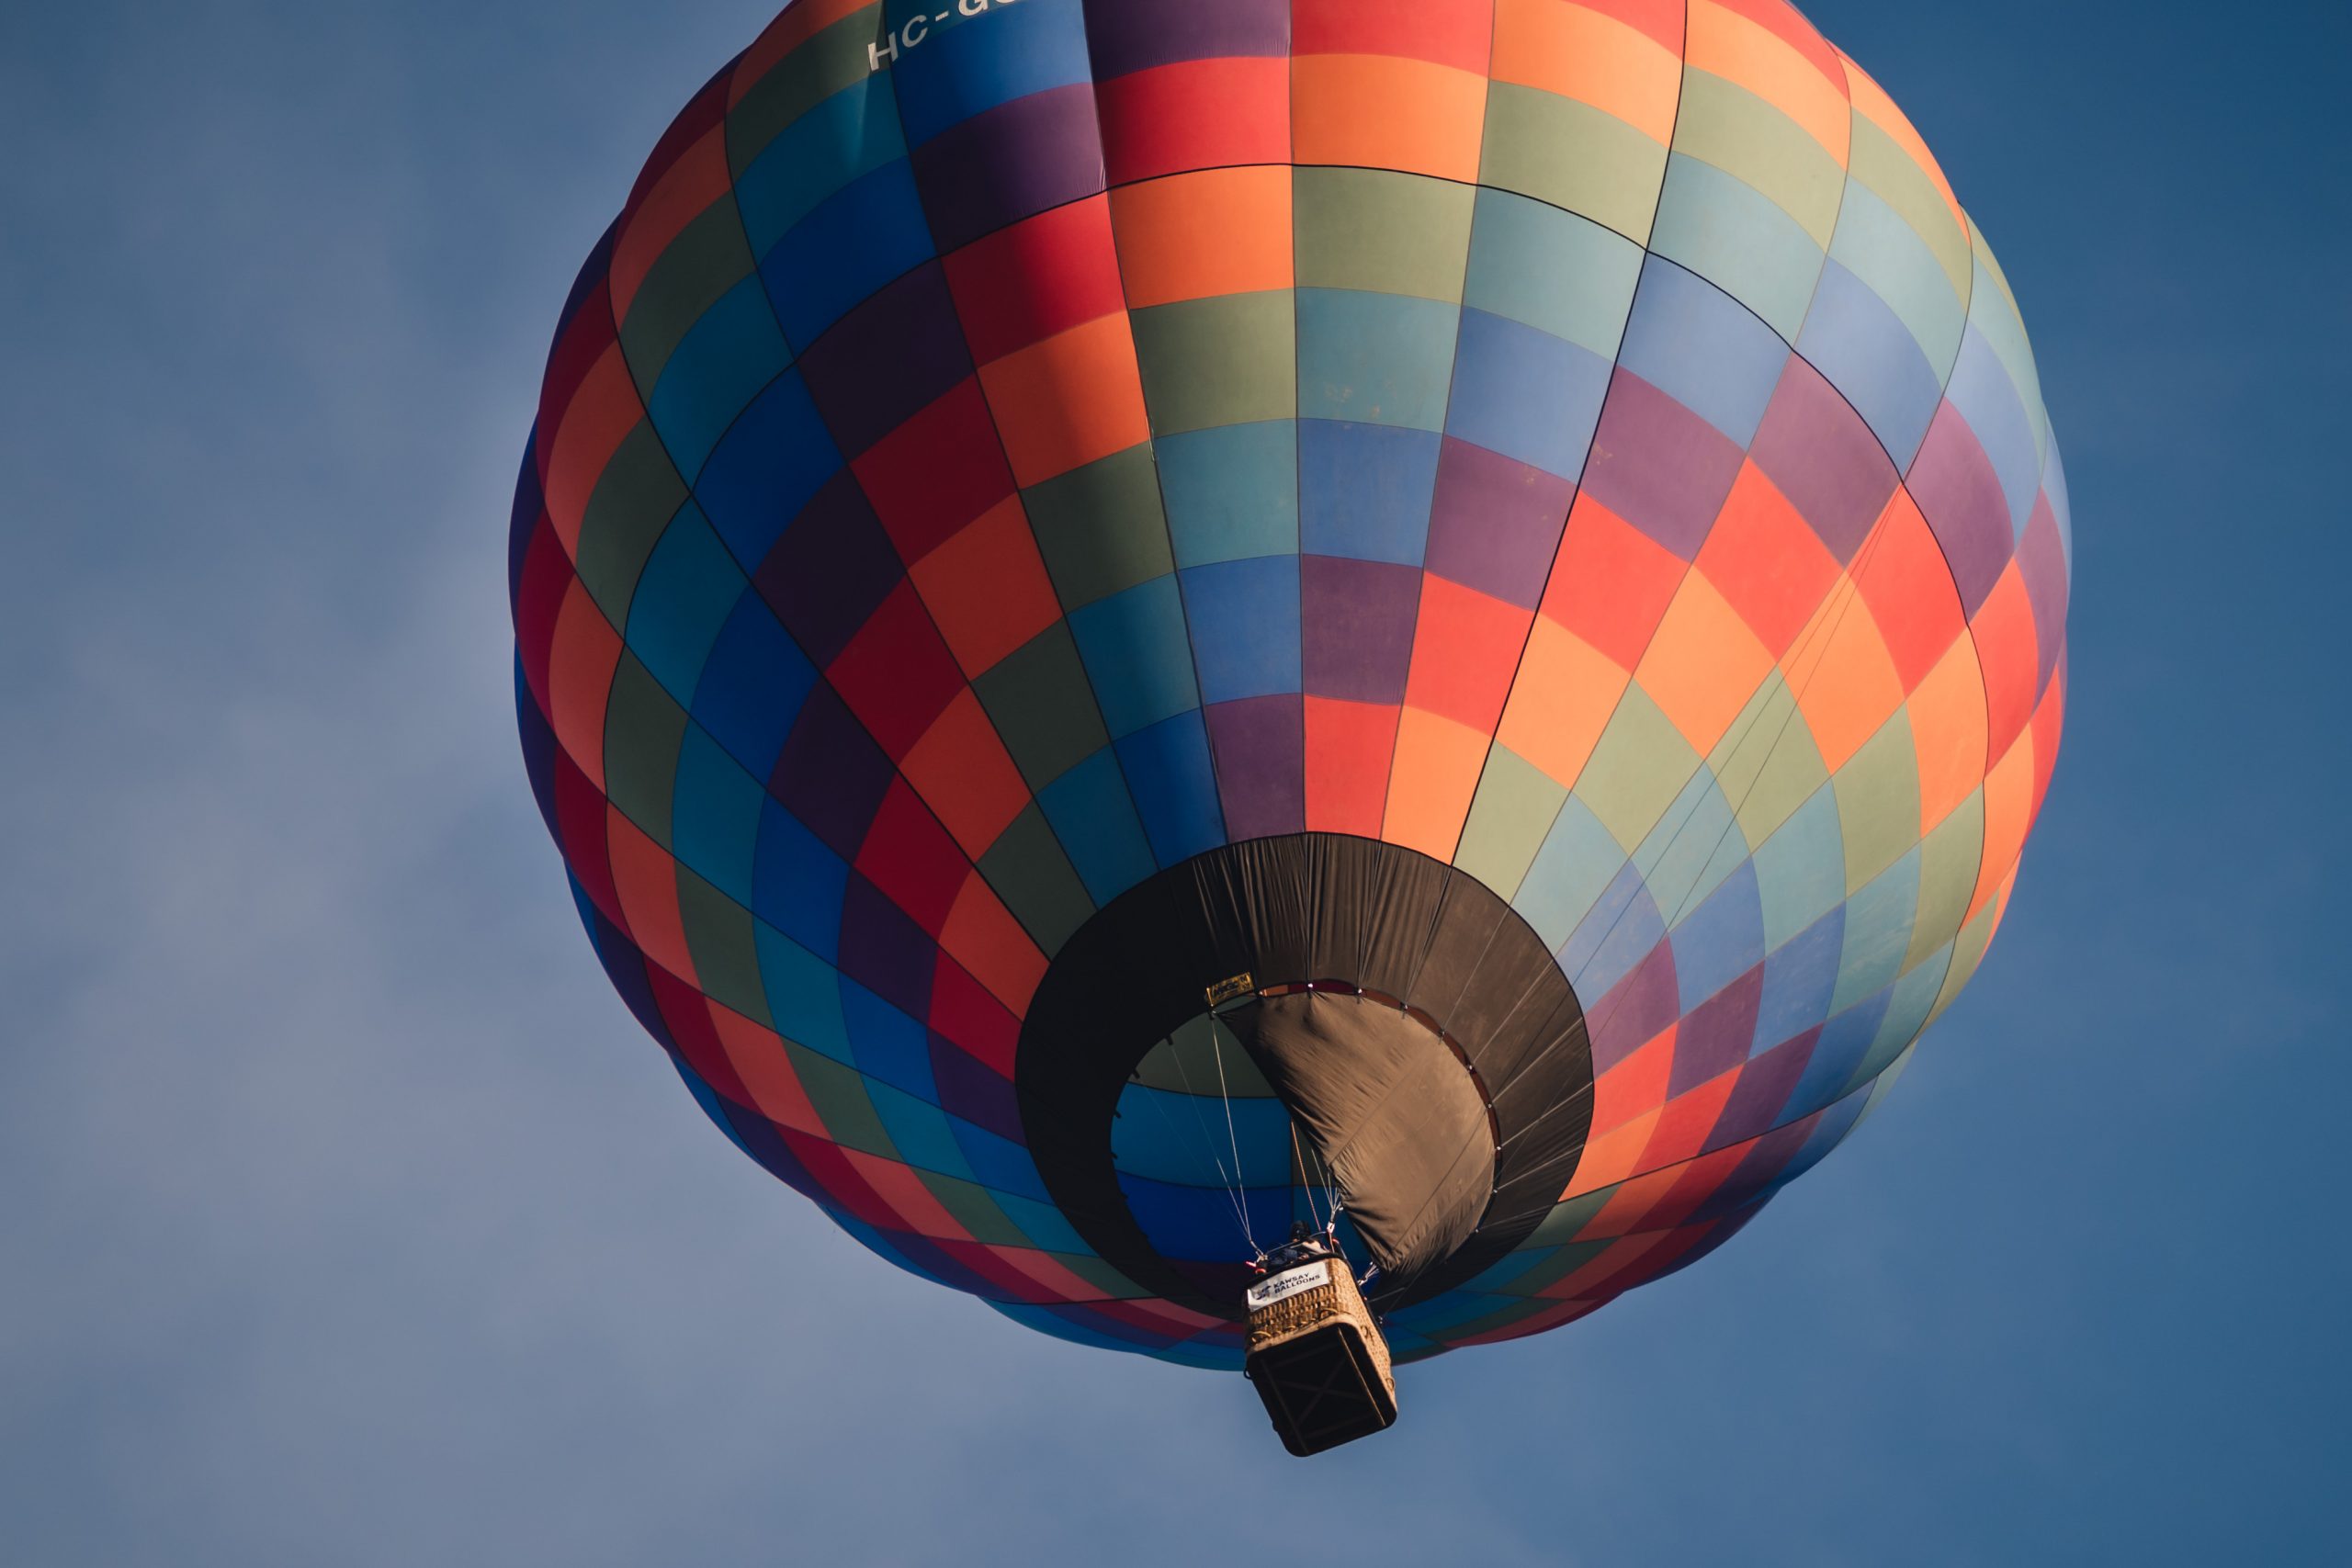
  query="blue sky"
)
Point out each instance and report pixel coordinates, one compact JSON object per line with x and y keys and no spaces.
{"x":348,"y":1219}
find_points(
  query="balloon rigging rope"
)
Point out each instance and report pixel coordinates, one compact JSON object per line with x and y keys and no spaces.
{"x":1193,"y":1099}
{"x":1330,"y":1182}
{"x":1306,"y":1178}
{"x":1851,"y":584}
{"x":1232,"y":1142}
{"x":1847,"y":591}
{"x":1158,"y":1097}
{"x":1824,"y":631}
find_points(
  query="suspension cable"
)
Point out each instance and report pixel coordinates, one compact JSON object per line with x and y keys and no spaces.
{"x":1194,"y":1099}
{"x":1232,"y":1141}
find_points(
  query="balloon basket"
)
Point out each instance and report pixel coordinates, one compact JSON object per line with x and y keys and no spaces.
{"x":1318,"y":1360}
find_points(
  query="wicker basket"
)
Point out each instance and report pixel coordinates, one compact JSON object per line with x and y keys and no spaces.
{"x":1318,"y":1358}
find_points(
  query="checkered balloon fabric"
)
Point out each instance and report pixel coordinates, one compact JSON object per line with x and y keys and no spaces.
{"x":1007,"y":454}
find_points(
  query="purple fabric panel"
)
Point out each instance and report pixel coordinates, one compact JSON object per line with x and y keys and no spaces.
{"x":1658,"y":465}
{"x":1817,"y":451}
{"x":1634,"y":1009}
{"x":2042,"y":561}
{"x":1712,"y":1234}
{"x":971,"y":1088}
{"x":1763,"y":1089}
{"x":2053,"y":493}
{"x":921,"y":1255}
{"x":1961,"y":497}
{"x":764,"y":1140}
{"x":1013,"y":161}
{"x":1134,"y":35}
{"x":1758,"y":1169}
{"x":625,"y":965}
{"x":885,"y":951}
{"x":1358,"y":617}
{"x":1259,"y":744}
{"x":892,"y":355}
{"x":831,"y":775}
{"x":830,"y":569}
{"x":1494,"y":524}
{"x":1702,"y":348}
{"x":1981,"y":388}
{"x":1717,"y":1035}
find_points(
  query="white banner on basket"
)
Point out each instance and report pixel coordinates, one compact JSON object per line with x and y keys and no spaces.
{"x":1288,"y":1284}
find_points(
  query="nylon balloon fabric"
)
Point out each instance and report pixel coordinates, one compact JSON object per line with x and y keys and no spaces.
{"x":1008,"y":451}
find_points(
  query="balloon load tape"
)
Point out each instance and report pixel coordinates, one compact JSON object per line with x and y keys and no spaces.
{"x":1316,"y":1357}
{"x":1232,"y":989}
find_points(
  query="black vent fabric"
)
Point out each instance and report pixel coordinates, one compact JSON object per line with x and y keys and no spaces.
{"x":1394,"y":1114}
{"x":1347,"y":915}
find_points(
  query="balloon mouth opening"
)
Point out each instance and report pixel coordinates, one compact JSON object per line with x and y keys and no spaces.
{"x":1305,"y":1105}
{"x":1312,"y":1029}
{"x":1391,"y":1106}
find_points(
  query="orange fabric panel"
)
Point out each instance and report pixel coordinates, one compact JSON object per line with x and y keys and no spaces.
{"x":1703,"y":665}
{"x":963,"y":773}
{"x":1744,"y":52}
{"x":1199,"y":235}
{"x":1064,"y":403}
{"x":758,"y":1056}
{"x":1611,"y":582}
{"x":1565,"y":690}
{"x":1436,"y":772}
{"x":1582,"y":54}
{"x":1381,"y":112}
{"x":1843,"y":676}
{"x":1764,"y":558}
{"x":1947,"y":731}
{"x":684,"y":193}
{"x":986,"y":587}
{"x":646,"y":880}
{"x":581,"y":656}
{"x":1348,"y":749}
{"x":601,"y":413}
{"x":982,"y":935}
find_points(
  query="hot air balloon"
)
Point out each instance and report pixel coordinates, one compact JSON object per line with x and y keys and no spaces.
{"x":1413,"y":640}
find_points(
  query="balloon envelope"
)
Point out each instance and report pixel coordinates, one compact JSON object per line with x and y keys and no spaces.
{"x":1515,"y":545}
